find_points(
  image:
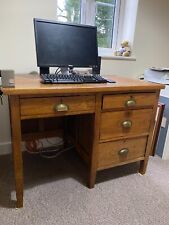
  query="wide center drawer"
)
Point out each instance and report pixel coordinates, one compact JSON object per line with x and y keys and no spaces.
{"x":121,"y":151}
{"x":52,"y":106}
{"x":123,"y":123}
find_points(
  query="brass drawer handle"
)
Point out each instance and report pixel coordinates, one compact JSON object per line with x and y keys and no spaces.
{"x":130,"y":103}
{"x":123,"y":152}
{"x":126,"y":124}
{"x":61,"y":107}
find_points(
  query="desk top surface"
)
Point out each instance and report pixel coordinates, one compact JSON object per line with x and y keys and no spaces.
{"x":29,"y":84}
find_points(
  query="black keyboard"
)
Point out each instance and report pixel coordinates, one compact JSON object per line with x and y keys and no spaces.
{"x":72,"y":79}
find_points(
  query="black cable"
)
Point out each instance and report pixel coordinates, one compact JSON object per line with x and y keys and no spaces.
{"x":44,"y":153}
{"x":47,"y":152}
{"x":58,"y":70}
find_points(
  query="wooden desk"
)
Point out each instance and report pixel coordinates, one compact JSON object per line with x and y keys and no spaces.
{"x":113,"y":123}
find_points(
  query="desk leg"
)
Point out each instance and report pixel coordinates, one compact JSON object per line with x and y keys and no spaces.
{"x":92,"y":178}
{"x":144,"y":163}
{"x":16,"y":148}
{"x":94,"y":152}
{"x":143,"y":166}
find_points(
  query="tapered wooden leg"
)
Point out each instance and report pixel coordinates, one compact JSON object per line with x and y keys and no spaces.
{"x":94,"y":152}
{"x":92,"y":178}
{"x":16,"y":149}
{"x":143,"y":166}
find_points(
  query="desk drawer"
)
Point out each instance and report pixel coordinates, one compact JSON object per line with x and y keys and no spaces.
{"x":123,"y":123}
{"x":52,"y":106}
{"x":128,"y":101}
{"x":121,"y":151}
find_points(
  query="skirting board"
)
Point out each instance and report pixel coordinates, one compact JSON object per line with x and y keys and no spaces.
{"x":166,"y":147}
{"x":5,"y":148}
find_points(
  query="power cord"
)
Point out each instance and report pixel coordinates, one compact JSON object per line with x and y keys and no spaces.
{"x":58,"y":70}
{"x":36,"y":146}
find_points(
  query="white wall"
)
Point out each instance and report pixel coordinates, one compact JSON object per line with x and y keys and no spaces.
{"x":150,"y":43}
{"x":152,"y":34}
{"x":17,"y":49}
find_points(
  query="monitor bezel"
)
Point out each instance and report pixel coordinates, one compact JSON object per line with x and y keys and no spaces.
{"x":36,"y":20}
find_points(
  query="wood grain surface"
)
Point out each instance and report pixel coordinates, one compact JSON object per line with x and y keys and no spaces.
{"x":30,"y":84}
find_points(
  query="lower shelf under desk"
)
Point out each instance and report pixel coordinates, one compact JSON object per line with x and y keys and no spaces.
{"x":76,"y":127}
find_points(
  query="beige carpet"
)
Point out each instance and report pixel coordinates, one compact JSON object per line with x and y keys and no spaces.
{"x":55,"y":193}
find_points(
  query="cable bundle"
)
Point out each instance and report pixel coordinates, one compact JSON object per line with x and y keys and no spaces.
{"x":48,"y":148}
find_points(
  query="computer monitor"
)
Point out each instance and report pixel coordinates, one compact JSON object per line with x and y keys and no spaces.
{"x":61,"y":44}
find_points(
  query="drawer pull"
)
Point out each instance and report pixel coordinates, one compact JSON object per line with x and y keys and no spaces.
{"x":123,"y":152}
{"x":126,"y":124}
{"x":130,"y":103}
{"x":61,"y":107}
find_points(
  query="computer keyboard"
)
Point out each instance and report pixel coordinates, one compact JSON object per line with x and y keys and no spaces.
{"x":72,"y":79}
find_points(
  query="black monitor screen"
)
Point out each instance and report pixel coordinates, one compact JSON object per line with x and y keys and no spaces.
{"x":63,"y":44}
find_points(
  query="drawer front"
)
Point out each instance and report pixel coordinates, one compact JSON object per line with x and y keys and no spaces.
{"x":56,"y":106}
{"x":123,"y":123}
{"x":128,"y":101}
{"x":120,"y":151}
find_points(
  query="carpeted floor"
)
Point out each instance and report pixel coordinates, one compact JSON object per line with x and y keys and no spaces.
{"x":55,"y":193}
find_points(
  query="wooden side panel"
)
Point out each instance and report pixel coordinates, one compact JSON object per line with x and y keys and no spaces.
{"x":85,"y":132}
{"x":159,"y":117}
{"x":143,"y":164}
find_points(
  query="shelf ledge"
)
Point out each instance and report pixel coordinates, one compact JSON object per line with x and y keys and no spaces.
{"x":111,"y":57}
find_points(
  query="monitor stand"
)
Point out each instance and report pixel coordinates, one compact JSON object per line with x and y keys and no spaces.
{"x":96,"y":68}
{"x":69,"y":69}
{"x":44,"y":70}
{"x":64,"y":70}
